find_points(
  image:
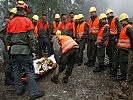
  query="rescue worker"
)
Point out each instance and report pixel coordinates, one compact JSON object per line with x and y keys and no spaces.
{"x":93,"y":31}
{"x":102,"y":42}
{"x":2,"y":42}
{"x":72,"y":22}
{"x":35,"y":19}
{"x":131,"y":23}
{"x":112,"y":51}
{"x":66,"y":27}
{"x":2,"y":51}
{"x":82,"y":31}
{"x":56,"y":24}
{"x":65,"y":52}
{"x":20,"y":41}
{"x":5,"y":55}
{"x":125,"y":43}
{"x":129,"y":78}
{"x":43,"y":36}
{"x":5,"y":22}
{"x":75,"y":26}
{"x":71,"y":17}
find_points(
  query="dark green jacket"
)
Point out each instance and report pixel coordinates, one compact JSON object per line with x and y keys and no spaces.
{"x":3,"y":27}
{"x":2,"y":50}
{"x":23,"y":43}
{"x":67,"y":32}
{"x":57,"y":49}
{"x":86,"y":31}
{"x":129,"y":32}
{"x":3,"y":30}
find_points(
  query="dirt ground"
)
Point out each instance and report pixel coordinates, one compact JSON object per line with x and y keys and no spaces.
{"x":83,"y":85}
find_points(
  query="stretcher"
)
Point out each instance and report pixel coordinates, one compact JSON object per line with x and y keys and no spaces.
{"x":42,"y":66}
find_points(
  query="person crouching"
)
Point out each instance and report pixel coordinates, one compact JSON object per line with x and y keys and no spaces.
{"x":65,"y":53}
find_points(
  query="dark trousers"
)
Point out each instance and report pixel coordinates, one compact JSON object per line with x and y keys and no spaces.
{"x":130,"y":67}
{"x":25,"y":62}
{"x":81,"y":43}
{"x":8,"y":67}
{"x":44,"y":42}
{"x":123,"y":60}
{"x":112,"y":53}
{"x":8,"y":70}
{"x":68,"y":60}
{"x":91,"y":51}
{"x":101,"y":55}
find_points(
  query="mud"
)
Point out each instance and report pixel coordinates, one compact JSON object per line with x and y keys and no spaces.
{"x":83,"y":85}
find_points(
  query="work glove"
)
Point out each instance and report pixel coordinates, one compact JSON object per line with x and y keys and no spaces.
{"x":34,"y":55}
{"x":36,"y":41}
{"x":116,"y":40}
{"x":58,"y":59}
{"x":74,"y":39}
{"x":99,"y":45}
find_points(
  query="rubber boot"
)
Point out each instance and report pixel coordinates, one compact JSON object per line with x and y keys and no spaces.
{"x":65,"y":79}
{"x":54,"y":79}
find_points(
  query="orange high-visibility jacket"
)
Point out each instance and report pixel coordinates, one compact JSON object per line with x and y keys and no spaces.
{"x":73,"y":25}
{"x":124,"y":41}
{"x":80,"y":30}
{"x":56,"y":27}
{"x":113,"y":28}
{"x":66,"y":43}
{"x":94,"y":26}
{"x":14,"y":25}
{"x":101,"y":34}
{"x":66,"y":26}
{"x":40,"y":25}
{"x":35,"y":31}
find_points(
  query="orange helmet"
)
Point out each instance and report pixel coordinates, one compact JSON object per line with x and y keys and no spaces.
{"x":22,"y":4}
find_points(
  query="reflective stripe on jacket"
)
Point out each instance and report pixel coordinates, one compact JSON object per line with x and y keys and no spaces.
{"x":56,"y":27}
{"x":66,"y":43}
{"x":101,"y":34}
{"x":124,"y":41}
{"x":80,"y":30}
{"x":94,"y":26}
{"x":113,"y":28}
